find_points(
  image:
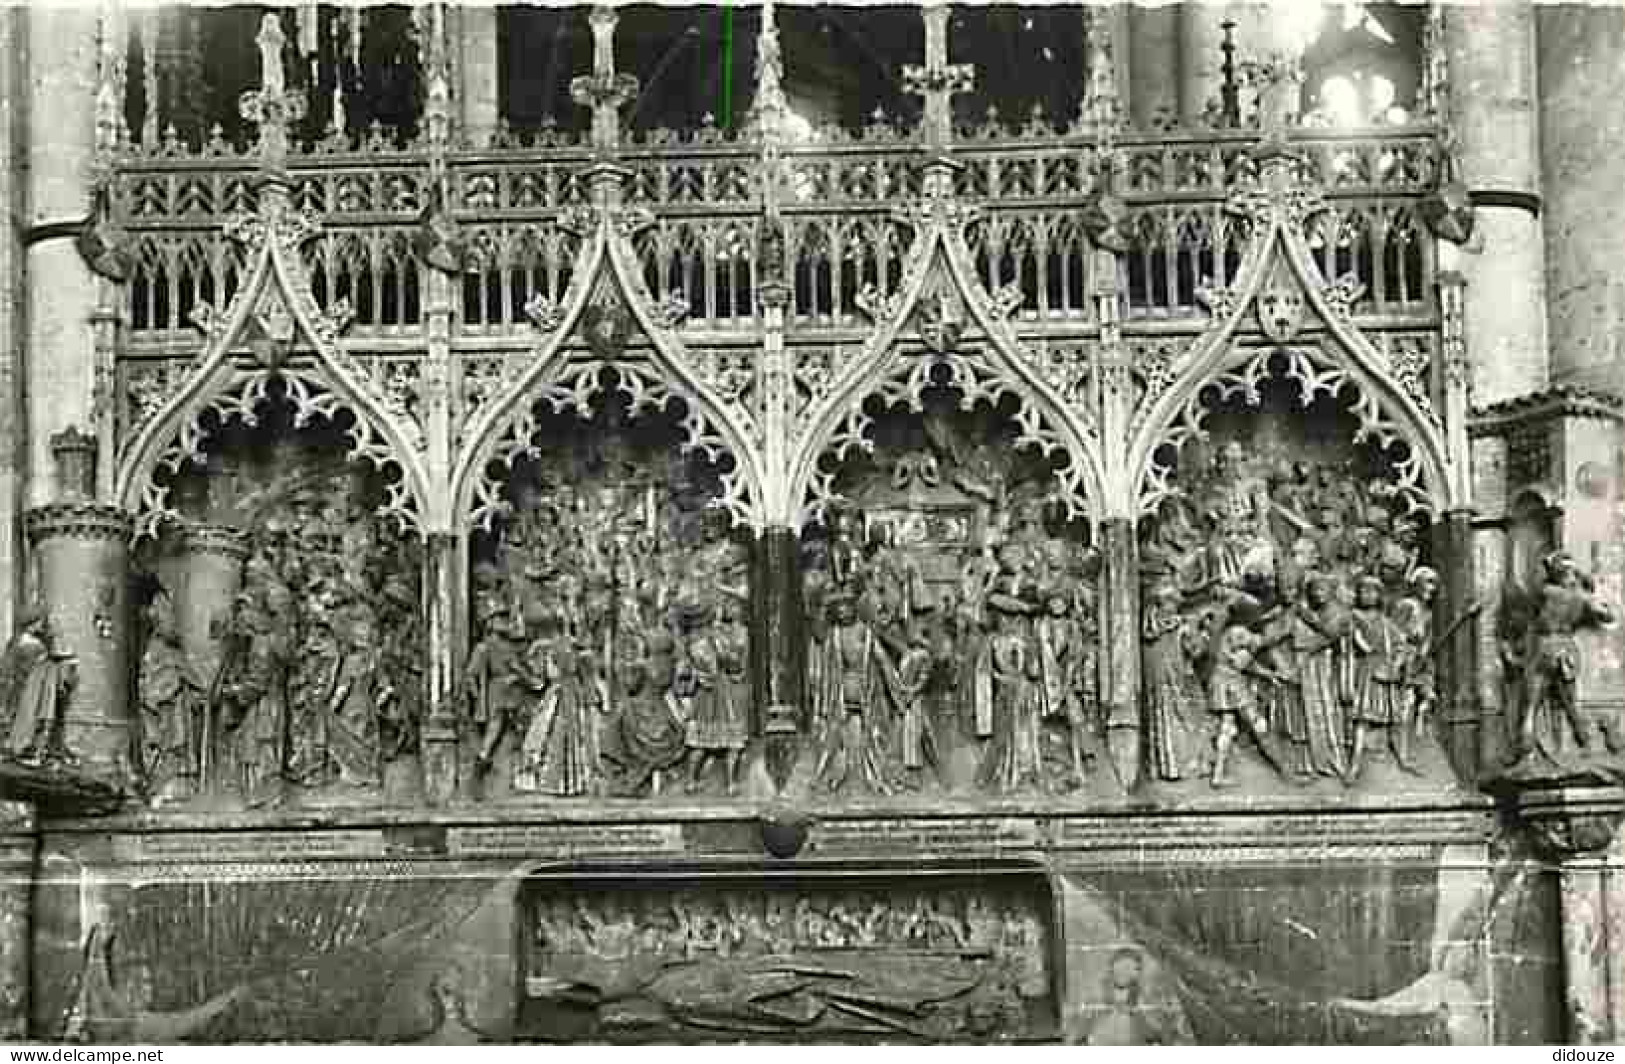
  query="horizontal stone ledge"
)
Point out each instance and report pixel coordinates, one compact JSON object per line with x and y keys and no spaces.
{"x":634,"y":811}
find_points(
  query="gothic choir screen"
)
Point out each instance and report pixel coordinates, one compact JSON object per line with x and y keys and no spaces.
{"x":786,"y":524}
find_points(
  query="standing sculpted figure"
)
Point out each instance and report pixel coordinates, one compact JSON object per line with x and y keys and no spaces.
{"x":1014,"y":757}
{"x":173,"y":722}
{"x":719,"y":726}
{"x":34,"y":687}
{"x":850,"y":702}
{"x":559,"y":753}
{"x":1064,"y":663}
{"x":1551,"y":712}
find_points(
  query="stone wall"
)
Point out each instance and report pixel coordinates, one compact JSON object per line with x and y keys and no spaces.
{"x":1226,"y":926}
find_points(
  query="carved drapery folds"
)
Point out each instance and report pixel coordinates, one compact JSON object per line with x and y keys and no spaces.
{"x":974,"y":497}
{"x":1286,"y":475}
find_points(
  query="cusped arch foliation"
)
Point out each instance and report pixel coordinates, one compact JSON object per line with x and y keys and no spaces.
{"x":275,"y":287}
{"x":502,"y":429}
{"x":1045,"y":421}
{"x":1214,"y":353}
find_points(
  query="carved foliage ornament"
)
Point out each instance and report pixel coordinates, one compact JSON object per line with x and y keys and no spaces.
{"x":978,"y":381}
{"x":311,"y":398}
{"x":573,"y":386}
{"x":1316,"y":375}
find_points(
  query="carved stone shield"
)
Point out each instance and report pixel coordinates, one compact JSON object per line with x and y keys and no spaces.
{"x":1280,"y":305}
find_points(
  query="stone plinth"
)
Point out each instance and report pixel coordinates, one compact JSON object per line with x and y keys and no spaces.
{"x":82,"y":553}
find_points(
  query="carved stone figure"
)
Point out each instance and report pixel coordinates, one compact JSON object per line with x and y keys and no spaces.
{"x":1551,"y":715}
{"x":34,"y":689}
{"x":255,"y":697}
{"x":174,"y":720}
{"x":649,"y":736}
{"x":1014,"y":761}
{"x":850,"y":703}
{"x":559,"y":753}
{"x":1066,"y":665}
{"x":356,"y":703}
{"x":718,"y":720}
{"x":491,"y":683}
{"x":906,"y":964}
{"x":1233,"y":699}
{"x":1320,"y":635}
{"x":1299,"y":558}
{"x":917,"y":732}
{"x":1382,"y":689}
{"x":1168,"y":684}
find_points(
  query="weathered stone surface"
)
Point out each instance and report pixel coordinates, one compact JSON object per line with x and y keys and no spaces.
{"x":970,"y":625}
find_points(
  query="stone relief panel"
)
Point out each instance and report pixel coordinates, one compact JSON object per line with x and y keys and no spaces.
{"x":609,"y":618}
{"x":1288,"y":617}
{"x":1415,"y":945}
{"x":1400,"y":953}
{"x":292,"y":954}
{"x":953,"y":622}
{"x":282,"y":631}
{"x":819,"y":958}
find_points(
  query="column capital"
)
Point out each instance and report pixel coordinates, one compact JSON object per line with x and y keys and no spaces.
{"x":1572,"y":821}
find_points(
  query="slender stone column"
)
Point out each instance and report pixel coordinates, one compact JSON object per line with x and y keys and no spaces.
{"x":1490,"y":50}
{"x":1120,"y":620}
{"x":1458,"y":654}
{"x":208,"y":571}
{"x":82,"y":553}
{"x":475,"y":41}
{"x":63,"y":48}
{"x":203,"y":576}
{"x":19,"y":849}
{"x":14,"y":449}
{"x":775,"y":593}
{"x":1153,"y":65}
{"x":1201,"y":62}
{"x":1582,"y":126}
{"x":441,"y":769}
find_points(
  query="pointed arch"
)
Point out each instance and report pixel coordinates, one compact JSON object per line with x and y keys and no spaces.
{"x":1002,"y":368}
{"x":1387,"y":409}
{"x":502,"y":428}
{"x":276,"y":282}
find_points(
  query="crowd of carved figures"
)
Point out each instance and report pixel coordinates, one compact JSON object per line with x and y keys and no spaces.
{"x":953,"y":627}
{"x":318,"y":683}
{"x":611,"y":651}
{"x":1288,"y":606}
{"x":885,"y":962}
{"x":757,"y":923}
{"x":953,"y":634}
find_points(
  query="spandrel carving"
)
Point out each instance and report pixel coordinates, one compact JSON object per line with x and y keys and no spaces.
{"x":612,"y":652}
{"x":861,"y":961}
{"x":953,"y":620}
{"x":1287,"y":616}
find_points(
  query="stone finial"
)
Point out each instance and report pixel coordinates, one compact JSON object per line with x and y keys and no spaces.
{"x":605,"y":91}
{"x":1101,"y":111}
{"x":75,"y":456}
{"x":938,"y":81}
{"x":272,"y":107}
{"x":770,"y":104}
